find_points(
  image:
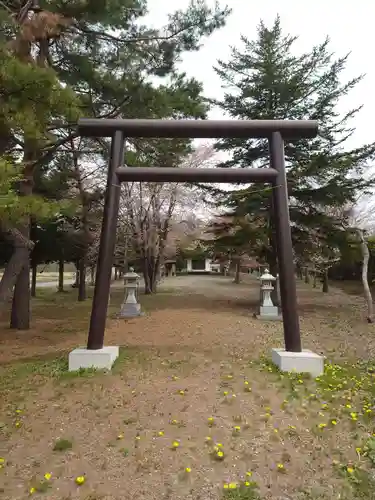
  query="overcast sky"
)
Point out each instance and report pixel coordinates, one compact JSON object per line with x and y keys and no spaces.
{"x":350,"y":25}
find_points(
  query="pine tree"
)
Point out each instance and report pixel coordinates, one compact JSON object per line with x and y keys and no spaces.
{"x":267,"y":79}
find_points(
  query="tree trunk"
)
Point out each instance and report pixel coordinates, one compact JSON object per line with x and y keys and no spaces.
{"x":299,"y":270}
{"x":92,"y":275}
{"x":150,"y":268}
{"x":314,"y":279}
{"x":307,"y":278}
{"x":81,"y":280}
{"x":34,"y":270}
{"x":366,"y":288}
{"x":20,"y":315}
{"x":60,"y":288}
{"x":12,"y":270}
{"x":237,"y":276}
{"x":325,"y":281}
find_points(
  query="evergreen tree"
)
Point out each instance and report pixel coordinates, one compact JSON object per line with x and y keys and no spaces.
{"x":266,"y":79}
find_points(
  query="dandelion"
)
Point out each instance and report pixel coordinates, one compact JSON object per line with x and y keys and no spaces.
{"x":174,"y":422}
{"x":210,"y":420}
{"x":281,"y":467}
{"x":17,"y":424}
{"x":350,"y":470}
{"x":161,"y":433}
{"x":334,"y":422}
{"x":175,"y":445}
{"x":18,"y":411}
{"x":32,"y":490}
{"x":80,"y":480}
{"x":225,"y":393}
{"x":187,"y":469}
{"x":348,"y":405}
{"x":47,"y":476}
{"x":358,"y":450}
{"x":232,"y":486}
{"x":236,"y":428}
{"x":322,"y":426}
{"x":219,"y":445}
{"x":249,"y":473}
{"x":246,"y":483}
{"x":354,"y":416}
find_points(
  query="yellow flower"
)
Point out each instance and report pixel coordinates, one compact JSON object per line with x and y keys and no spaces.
{"x":292,"y":427}
{"x":160,"y":433}
{"x":334,"y":422}
{"x":175,"y":445}
{"x":219,"y":445}
{"x":208,"y":439}
{"x":182,"y":393}
{"x":348,"y":405}
{"x":18,"y":424}
{"x":187,"y":469}
{"x":47,"y":476}
{"x":220,"y":454}
{"x":246,"y":382}
{"x":280,"y":467}
{"x":174,"y":422}
{"x":358,"y":450}
{"x":18,"y":411}
{"x":249,"y":473}
{"x":232,"y":486}
{"x":2,"y":460}
{"x":246,"y":483}
{"x":300,"y":381}
{"x":138,"y":438}
{"x":210,"y":420}
{"x":80,"y":480}
{"x":225,"y":393}
{"x":226,"y":486}
{"x":349,"y":470}
{"x":32,"y":490}
{"x":237,"y":428}
{"x":322,"y":426}
{"x":354,"y":416}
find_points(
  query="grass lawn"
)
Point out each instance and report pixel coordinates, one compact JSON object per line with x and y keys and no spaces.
{"x":192,"y":408}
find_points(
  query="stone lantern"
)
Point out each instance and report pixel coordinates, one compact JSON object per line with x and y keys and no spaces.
{"x":130,"y":307}
{"x":267,"y":309}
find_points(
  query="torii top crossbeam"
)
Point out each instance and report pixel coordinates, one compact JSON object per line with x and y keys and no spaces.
{"x":289,"y":129}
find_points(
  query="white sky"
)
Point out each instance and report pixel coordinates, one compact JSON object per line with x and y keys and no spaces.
{"x":350,"y":25}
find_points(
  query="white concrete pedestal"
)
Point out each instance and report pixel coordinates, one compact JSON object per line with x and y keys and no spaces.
{"x":101,"y":359}
{"x":270,"y":313}
{"x":300,"y":362}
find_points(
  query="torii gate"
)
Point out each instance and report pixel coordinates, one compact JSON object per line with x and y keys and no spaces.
{"x":273,"y":130}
